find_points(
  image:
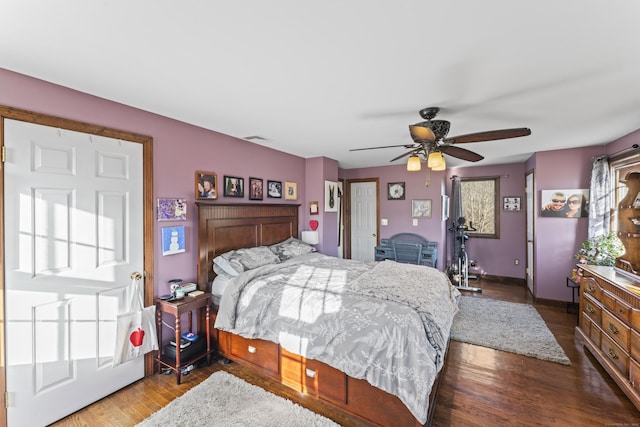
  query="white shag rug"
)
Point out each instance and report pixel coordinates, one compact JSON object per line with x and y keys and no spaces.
{"x":507,"y":326}
{"x":226,"y":400}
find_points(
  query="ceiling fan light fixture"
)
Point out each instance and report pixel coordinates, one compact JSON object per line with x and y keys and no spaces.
{"x":413,"y":164}
{"x":436,"y":161}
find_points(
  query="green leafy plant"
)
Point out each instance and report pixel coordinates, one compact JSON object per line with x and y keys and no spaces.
{"x":600,"y":250}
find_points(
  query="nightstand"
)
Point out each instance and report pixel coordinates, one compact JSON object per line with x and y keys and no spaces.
{"x":177,"y":308}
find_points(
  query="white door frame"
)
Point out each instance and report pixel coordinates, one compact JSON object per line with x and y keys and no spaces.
{"x":530,"y":213}
{"x":148,"y":206}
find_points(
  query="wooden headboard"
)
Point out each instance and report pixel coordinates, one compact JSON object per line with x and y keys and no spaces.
{"x":224,"y":227}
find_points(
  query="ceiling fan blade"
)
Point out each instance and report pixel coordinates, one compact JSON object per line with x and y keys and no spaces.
{"x":408,"y":153}
{"x":460,"y":153}
{"x":384,"y":146}
{"x":488,"y":135}
{"x":421,"y":133}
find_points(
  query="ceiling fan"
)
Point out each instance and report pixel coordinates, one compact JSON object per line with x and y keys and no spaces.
{"x":430,"y":136}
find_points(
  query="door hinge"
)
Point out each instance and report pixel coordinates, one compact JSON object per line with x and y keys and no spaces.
{"x":3,"y":154}
{"x":6,"y":396}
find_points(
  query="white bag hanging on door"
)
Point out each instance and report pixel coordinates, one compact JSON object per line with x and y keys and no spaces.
{"x":136,"y":328}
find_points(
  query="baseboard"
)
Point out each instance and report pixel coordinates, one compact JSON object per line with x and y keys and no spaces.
{"x":501,"y":279}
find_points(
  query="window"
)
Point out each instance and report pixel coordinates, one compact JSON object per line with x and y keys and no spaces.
{"x":480,"y":206}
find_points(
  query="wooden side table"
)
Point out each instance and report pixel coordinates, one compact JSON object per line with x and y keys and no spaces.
{"x":177,"y":308}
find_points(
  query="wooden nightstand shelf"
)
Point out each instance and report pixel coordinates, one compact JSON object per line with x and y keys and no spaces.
{"x":177,"y":309}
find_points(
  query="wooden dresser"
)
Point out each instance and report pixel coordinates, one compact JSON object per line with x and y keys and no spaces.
{"x":609,"y":324}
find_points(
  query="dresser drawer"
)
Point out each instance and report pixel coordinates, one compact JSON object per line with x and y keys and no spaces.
{"x":635,"y":345}
{"x":591,"y":308}
{"x":615,"y":354}
{"x":589,"y":285}
{"x":258,"y":352}
{"x":590,"y":329}
{"x":617,"y":330}
{"x":312,"y":377}
{"x":634,"y":374}
{"x":622,"y":310}
{"x":635,"y":319}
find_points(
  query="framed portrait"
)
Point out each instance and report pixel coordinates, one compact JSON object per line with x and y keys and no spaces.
{"x":255,"y":189}
{"x":511,"y":203}
{"x":206,"y":185}
{"x":565,"y":203}
{"x":172,"y":209}
{"x":330,"y":196}
{"x":290,"y":190}
{"x":233,"y":186}
{"x":395,"y":190}
{"x":173,"y":240}
{"x":274,"y":189}
{"x":313,"y":208}
{"x":421,"y":208}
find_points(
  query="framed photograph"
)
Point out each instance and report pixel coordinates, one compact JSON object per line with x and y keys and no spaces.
{"x":290,"y":190}
{"x":330,"y":196}
{"x":511,"y":203}
{"x":233,"y":186}
{"x":274,"y":189}
{"x":173,"y":240}
{"x":421,"y":208}
{"x":206,"y":185}
{"x":313,"y":208}
{"x":255,"y":189}
{"x":565,"y":203}
{"x":395,"y":191}
{"x":172,"y":209}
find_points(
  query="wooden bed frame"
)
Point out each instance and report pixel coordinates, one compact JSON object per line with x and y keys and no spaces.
{"x":224,"y":227}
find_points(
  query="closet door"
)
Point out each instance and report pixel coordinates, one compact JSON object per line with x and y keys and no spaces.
{"x":73,"y":237}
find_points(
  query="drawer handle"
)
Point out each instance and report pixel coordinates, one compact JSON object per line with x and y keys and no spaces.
{"x":613,"y":328}
{"x":590,"y":287}
{"x":612,"y":353}
{"x":310,"y":373}
{"x":590,"y":309}
{"x":621,"y":311}
{"x":251,"y":349}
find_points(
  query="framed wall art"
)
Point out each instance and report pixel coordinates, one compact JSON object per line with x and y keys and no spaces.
{"x":274,"y":189}
{"x":173,"y":240}
{"x":206,"y":185}
{"x":511,"y":203}
{"x":395,"y":190}
{"x":421,"y":208}
{"x":233,"y":186}
{"x":313,"y":208}
{"x":172,"y":209}
{"x":255,"y":189}
{"x":330,"y":196}
{"x":290,"y":190}
{"x":565,"y":203}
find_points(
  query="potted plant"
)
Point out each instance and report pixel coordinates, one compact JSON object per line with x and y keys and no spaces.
{"x":600,"y":250}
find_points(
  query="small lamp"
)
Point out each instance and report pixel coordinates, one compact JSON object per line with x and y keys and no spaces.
{"x":436,"y":161}
{"x":413,"y":164}
{"x":310,"y":237}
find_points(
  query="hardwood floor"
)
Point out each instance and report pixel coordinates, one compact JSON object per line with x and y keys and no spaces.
{"x":481,"y":387}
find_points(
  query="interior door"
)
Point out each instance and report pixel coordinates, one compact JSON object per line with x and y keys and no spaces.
{"x":529,"y":190}
{"x":73,"y":237}
{"x":364,"y":219}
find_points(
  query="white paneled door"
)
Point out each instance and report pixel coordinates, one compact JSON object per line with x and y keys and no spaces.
{"x":73,"y":237}
{"x":364,"y":219}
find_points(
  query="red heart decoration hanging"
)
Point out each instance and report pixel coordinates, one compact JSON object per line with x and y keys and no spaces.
{"x":313,"y":224}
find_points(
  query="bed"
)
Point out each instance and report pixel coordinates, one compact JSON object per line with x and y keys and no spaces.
{"x":342,"y":331}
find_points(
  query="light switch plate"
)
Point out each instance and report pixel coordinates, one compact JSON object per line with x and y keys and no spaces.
{"x":415,"y":222}
{"x":384,"y":221}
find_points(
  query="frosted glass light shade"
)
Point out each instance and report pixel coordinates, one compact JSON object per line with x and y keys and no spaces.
{"x":310,"y":237}
{"x":436,"y":161}
{"x":413,"y":164}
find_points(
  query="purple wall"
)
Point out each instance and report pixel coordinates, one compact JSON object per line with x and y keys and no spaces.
{"x":179,"y":149}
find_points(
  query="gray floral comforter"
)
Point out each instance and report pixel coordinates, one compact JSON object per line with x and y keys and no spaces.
{"x":384,"y":322}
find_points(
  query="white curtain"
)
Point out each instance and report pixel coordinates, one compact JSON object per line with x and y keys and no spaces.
{"x":599,"y":198}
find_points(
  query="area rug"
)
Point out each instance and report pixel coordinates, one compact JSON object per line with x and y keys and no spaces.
{"x":506,"y":326}
{"x":226,"y":400}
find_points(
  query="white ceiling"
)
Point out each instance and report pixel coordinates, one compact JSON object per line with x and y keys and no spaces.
{"x":317,"y":78}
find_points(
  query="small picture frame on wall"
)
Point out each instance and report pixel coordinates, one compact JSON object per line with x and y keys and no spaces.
{"x":290,"y":191}
{"x":511,"y":203}
{"x":421,"y":208}
{"x":233,"y":186}
{"x":173,"y":240}
{"x":255,"y":189}
{"x":330,"y":196}
{"x":206,"y":185}
{"x":274,"y":189}
{"x":395,"y":190}
{"x":172,"y":209}
{"x":313,"y":208}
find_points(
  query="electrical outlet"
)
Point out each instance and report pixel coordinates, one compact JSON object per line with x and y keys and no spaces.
{"x":516,"y":261}
{"x":415,"y":222}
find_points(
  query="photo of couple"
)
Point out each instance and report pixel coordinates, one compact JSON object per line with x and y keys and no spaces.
{"x":565,"y":203}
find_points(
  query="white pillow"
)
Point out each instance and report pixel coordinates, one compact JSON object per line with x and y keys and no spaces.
{"x":236,"y":262}
{"x":223,"y":264}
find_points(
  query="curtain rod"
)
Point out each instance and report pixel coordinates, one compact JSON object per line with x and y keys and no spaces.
{"x":624,"y":150}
